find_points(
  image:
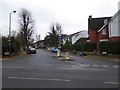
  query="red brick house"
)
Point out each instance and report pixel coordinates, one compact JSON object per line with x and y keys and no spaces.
{"x":110,"y":31}
{"x":98,"y":29}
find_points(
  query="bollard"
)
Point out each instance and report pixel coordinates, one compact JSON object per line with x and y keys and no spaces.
{"x":67,"y":55}
{"x":58,"y":53}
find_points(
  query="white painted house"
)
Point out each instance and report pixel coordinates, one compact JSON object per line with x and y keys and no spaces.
{"x":114,"y":27}
{"x":78,"y":35}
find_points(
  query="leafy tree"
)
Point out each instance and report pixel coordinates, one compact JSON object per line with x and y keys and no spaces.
{"x":52,"y":37}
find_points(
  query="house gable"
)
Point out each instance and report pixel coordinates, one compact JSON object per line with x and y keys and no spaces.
{"x":114,"y":26}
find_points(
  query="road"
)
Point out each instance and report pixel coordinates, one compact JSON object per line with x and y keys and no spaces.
{"x":42,"y":70}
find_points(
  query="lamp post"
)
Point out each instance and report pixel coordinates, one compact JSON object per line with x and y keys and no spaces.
{"x":10,"y":31}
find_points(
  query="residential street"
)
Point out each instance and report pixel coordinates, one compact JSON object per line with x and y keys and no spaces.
{"x":42,"y":70}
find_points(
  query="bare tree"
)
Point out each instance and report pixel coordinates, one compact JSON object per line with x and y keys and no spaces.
{"x":38,"y":37}
{"x":26,"y":28}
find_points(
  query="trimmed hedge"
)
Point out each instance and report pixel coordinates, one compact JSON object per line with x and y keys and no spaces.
{"x":112,"y":47}
{"x":77,"y":47}
{"x":89,"y":47}
{"x":67,"y":48}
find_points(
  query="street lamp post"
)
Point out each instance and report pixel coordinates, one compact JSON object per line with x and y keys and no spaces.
{"x":10,"y":31}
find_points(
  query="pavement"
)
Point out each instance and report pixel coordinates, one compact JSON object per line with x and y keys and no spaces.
{"x":42,"y":70}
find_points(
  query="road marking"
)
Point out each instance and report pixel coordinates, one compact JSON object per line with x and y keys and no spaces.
{"x":115,"y":66}
{"x":82,"y":65}
{"x":14,"y":67}
{"x":65,"y":80}
{"x":83,"y":69}
{"x":95,"y":65}
{"x":85,"y":65}
{"x":106,"y":66}
{"x":94,"y":69}
{"x":70,"y":62}
{"x":112,"y":82}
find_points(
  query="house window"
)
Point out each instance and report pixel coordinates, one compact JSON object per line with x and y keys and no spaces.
{"x":105,"y":21}
{"x":104,"y":31}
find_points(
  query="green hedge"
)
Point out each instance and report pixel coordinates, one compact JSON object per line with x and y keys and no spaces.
{"x":67,"y":47}
{"x":89,"y":47}
{"x":14,"y":48}
{"x":112,"y":47}
{"x":77,"y":47}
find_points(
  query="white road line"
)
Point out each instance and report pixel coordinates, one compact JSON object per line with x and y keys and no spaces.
{"x":65,"y":80}
{"x":94,"y":69}
{"x":95,"y":65}
{"x":86,"y":65}
{"x":112,"y":82}
{"x":83,"y":69}
{"x":115,"y":66}
{"x":106,"y":66}
{"x":82,"y":65}
{"x":14,"y":67}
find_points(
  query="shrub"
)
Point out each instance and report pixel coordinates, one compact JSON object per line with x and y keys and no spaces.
{"x":67,"y":47}
{"x":112,"y":47}
{"x":77,"y":47}
{"x":89,"y":47}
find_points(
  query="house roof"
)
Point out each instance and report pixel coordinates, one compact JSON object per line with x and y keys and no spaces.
{"x":96,"y":23}
{"x":103,"y":27}
{"x":71,"y":35}
{"x":115,"y":15}
{"x":109,"y":21}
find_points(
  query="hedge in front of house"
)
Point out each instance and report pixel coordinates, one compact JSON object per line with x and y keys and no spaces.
{"x":89,"y":47}
{"x":112,"y":47}
{"x":77,"y":47}
{"x":67,"y":47}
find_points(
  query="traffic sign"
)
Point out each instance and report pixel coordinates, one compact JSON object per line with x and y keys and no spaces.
{"x":60,"y":37}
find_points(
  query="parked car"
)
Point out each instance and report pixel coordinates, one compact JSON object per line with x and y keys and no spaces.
{"x":54,"y":50}
{"x":32,"y":51}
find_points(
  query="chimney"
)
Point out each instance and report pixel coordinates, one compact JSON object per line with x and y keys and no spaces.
{"x":90,"y":16}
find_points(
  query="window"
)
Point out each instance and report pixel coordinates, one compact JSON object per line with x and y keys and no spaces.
{"x":104,"y":31}
{"x":105,"y":21}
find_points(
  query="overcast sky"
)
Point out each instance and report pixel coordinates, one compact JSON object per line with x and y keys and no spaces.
{"x":71,"y":14}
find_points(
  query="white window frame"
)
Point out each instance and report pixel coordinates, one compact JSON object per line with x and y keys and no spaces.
{"x":104,"y":32}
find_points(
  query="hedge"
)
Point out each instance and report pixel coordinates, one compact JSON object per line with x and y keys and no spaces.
{"x":14,"y":48}
{"x":112,"y":47}
{"x":77,"y":47}
{"x":89,"y":47}
{"x":67,"y":47}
